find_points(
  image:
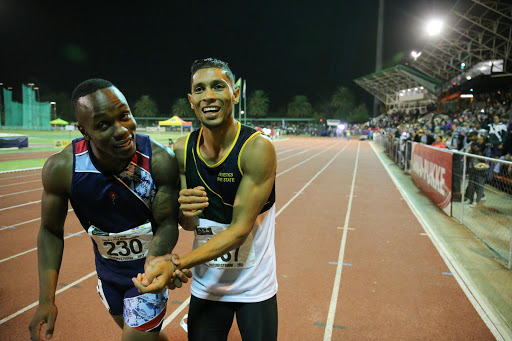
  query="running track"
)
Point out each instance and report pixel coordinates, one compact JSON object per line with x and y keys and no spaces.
{"x":353,"y":262}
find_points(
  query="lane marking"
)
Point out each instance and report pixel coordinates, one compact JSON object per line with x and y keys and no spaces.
{"x":20,"y":205}
{"x":337,"y":279}
{"x":20,"y":183}
{"x":25,"y":222}
{"x":323,"y":325}
{"x":30,"y":306}
{"x":30,"y":190}
{"x":175,"y":313}
{"x":180,"y":308}
{"x":478,"y":301}
{"x":184,"y":304}
{"x":70,"y":235}
{"x":20,"y":170}
{"x":309,"y":158}
{"x":19,"y":176}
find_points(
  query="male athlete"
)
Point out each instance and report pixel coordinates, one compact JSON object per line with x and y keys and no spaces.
{"x":227,"y":174}
{"x":123,"y":188}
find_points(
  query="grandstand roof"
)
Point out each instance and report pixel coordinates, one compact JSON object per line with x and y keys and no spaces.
{"x":478,"y":33}
{"x":386,"y":83}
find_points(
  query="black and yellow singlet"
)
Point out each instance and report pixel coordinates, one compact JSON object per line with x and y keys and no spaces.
{"x":222,"y":179}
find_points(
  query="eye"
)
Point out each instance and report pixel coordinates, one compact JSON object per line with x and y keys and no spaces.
{"x":125,"y":116}
{"x":220,"y":86}
{"x":198,"y":89}
{"x":102,"y":125}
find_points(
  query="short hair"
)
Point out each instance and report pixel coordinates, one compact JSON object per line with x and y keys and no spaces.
{"x":206,"y":63}
{"x":88,"y":87}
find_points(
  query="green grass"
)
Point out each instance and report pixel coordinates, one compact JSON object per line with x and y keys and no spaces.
{"x":21,"y":164}
{"x":42,"y":141}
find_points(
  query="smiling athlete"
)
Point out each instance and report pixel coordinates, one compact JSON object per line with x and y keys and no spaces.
{"x":227,"y":173}
{"x":123,"y":188}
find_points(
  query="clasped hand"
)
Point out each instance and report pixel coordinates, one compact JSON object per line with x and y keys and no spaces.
{"x":160,"y":273}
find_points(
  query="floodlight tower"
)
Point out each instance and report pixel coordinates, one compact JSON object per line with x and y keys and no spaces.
{"x":378,"y":57}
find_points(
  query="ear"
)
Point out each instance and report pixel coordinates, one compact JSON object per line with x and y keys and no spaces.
{"x":236,"y":95}
{"x":190,"y":101}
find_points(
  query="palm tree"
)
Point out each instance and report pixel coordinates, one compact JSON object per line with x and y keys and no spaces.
{"x":258,"y":103}
{"x":300,"y":107}
{"x":181,"y":107}
{"x":145,"y":107}
{"x":343,"y":102}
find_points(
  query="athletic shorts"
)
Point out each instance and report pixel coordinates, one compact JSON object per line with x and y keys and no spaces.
{"x":212,"y":320}
{"x":144,"y":312}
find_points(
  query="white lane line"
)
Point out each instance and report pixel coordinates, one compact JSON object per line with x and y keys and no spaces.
{"x":337,"y":279}
{"x":20,"y":170}
{"x":20,"y":183}
{"x":184,"y":304}
{"x":311,"y":157}
{"x":20,"y":205}
{"x":176,"y":312}
{"x":170,"y":318}
{"x":20,"y":176}
{"x":30,"y":306}
{"x":30,"y":190}
{"x":478,"y":301}
{"x":25,"y":252}
{"x":24,"y":222}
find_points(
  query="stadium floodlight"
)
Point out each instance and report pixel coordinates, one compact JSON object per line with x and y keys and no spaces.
{"x":415,"y":54}
{"x":434,"y":27}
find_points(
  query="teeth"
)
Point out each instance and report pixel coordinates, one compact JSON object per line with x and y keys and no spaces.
{"x":208,"y":109}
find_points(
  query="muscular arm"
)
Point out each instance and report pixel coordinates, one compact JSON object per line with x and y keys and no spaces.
{"x":192,"y":201}
{"x":57,"y":174}
{"x":258,"y":162}
{"x":165,"y":204}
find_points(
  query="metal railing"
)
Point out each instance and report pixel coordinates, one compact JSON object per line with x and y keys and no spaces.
{"x":481,"y":193}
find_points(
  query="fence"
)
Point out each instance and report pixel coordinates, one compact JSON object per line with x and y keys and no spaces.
{"x":30,"y":114}
{"x":481,"y":191}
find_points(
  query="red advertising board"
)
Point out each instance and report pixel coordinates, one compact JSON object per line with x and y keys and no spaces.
{"x":431,"y":170}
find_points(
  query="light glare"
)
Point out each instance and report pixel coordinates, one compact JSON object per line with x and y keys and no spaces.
{"x":434,"y":27}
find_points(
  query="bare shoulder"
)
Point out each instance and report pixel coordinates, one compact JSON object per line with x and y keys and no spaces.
{"x":180,"y":149}
{"x":58,"y":171}
{"x":259,"y":152}
{"x":259,"y":146}
{"x":163,"y":162}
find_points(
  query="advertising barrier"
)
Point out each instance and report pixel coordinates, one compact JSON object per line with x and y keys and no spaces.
{"x":431,"y":170}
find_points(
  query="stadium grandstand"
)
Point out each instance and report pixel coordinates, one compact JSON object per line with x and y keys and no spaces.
{"x":455,"y":97}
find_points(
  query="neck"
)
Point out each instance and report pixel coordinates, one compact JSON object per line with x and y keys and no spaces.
{"x":105,"y":163}
{"x":216,"y":141}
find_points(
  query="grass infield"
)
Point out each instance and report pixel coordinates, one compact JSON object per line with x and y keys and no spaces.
{"x":43,"y":141}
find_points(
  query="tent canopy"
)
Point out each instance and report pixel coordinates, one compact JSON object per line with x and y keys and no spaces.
{"x":59,"y":121}
{"x":175,"y":121}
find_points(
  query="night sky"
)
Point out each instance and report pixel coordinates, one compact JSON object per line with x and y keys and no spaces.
{"x":285,"y":48}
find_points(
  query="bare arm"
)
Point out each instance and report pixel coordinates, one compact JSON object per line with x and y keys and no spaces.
{"x":165,"y":204}
{"x":258,"y":163}
{"x":192,"y":200}
{"x":57,"y":174}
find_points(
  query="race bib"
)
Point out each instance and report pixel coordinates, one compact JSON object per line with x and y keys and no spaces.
{"x":124,"y":246}
{"x":240,"y":258}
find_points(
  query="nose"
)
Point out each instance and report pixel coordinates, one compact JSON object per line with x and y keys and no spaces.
{"x":209,"y":94}
{"x":121,"y":131}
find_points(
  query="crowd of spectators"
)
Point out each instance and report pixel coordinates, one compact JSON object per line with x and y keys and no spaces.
{"x":482,"y":128}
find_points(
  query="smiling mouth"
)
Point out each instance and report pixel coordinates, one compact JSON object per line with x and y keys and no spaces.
{"x":124,"y":144}
{"x":212,"y":109}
